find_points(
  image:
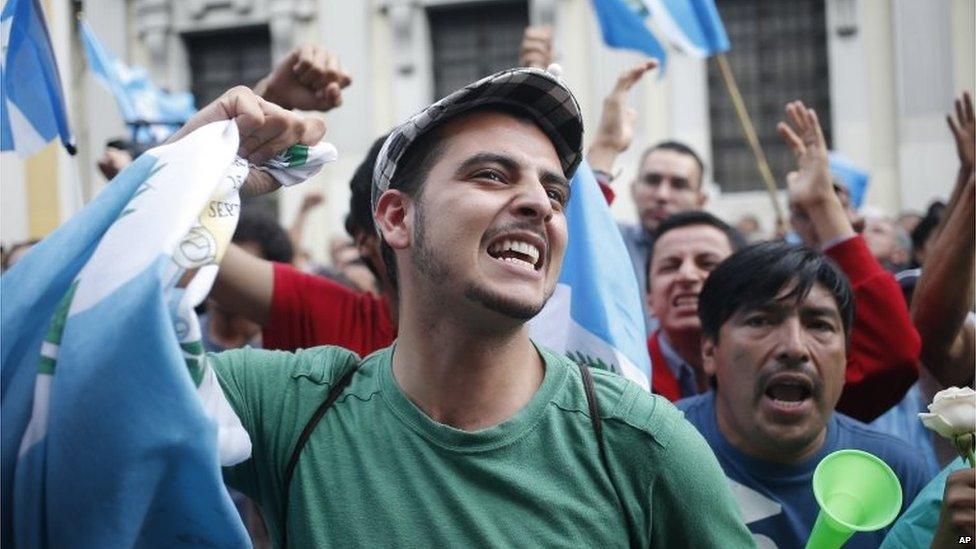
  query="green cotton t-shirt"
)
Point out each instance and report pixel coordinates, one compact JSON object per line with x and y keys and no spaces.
{"x":378,"y":472}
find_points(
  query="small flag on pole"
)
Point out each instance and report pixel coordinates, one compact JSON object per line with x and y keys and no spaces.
{"x":595,"y":314}
{"x":32,"y":111}
{"x":154,"y":113}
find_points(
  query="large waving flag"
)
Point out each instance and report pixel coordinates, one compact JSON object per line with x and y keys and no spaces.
{"x":692,"y":26}
{"x":622,"y":25}
{"x":32,"y":109}
{"x":595,"y":314}
{"x":105,"y":442}
{"x":140,"y":101}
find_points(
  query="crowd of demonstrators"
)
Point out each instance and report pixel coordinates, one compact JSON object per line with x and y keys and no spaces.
{"x":451,"y":427}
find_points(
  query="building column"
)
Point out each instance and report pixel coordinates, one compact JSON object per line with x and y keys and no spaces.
{"x":927,"y":162}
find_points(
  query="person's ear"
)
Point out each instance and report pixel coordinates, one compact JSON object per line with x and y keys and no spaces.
{"x":702,"y":194}
{"x":708,"y":356}
{"x":393,"y":218}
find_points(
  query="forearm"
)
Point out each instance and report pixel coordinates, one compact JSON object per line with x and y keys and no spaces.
{"x":962,"y":176}
{"x":944,"y":292}
{"x":297,"y":230}
{"x":829,"y":219}
{"x":601,"y":157}
{"x":244,"y":285}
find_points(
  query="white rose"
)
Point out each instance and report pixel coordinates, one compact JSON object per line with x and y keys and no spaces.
{"x":952,"y":412}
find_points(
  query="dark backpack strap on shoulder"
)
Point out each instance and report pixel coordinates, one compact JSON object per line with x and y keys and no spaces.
{"x":330,"y":399}
{"x":594,"y":407}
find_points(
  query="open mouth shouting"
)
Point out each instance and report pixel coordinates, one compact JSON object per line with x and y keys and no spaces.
{"x":789,"y":394}
{"x":524,"y":251}
{"x":688,"y":300}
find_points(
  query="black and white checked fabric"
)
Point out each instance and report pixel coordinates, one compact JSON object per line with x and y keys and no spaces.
{"x":540,"y":94}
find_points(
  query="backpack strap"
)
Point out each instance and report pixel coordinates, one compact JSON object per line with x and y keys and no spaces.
{"x":594,"y":406}
{"x":300,"y":444}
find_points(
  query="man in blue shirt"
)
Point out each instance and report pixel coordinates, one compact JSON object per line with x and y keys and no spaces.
{"x":776,"y":320}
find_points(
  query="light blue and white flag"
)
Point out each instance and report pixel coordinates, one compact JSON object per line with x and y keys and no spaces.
{"x":114,"y":428}
{"x":623,"y":25}
{"x":32,"y":109}
{"x":139,"y":100}
{"x":595,"y":314}
{"x":692,"y":26}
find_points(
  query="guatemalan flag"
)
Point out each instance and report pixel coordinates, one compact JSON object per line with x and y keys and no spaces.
{"x":32,"y":109}
{"x":114,"y":428}
{"x":622,"y":23}
{"x":691,"y":26}
{"x":139,"y":100}
{"x":595,"y":314}
{"x":105,"y":442}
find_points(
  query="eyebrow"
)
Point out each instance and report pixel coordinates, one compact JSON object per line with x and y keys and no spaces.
{"x":777,"y":307}
{"x":546,"y":177}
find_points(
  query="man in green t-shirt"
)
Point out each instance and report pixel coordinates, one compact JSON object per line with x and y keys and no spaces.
{"x":464,"y":432}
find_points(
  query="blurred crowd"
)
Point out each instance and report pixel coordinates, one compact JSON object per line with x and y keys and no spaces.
{"x":778,"y":344}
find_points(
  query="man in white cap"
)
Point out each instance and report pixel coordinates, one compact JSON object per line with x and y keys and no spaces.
{"x":464,"y":432}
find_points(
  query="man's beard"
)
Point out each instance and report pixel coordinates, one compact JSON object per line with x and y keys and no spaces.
{"x":438,"y":274}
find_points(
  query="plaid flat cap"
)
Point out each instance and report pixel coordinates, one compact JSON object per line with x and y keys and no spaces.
{"x":540,"y":94}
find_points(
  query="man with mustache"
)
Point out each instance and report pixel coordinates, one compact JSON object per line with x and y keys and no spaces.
{"x":776,"y":320}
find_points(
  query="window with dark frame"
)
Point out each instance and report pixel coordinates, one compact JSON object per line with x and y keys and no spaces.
{"x":222,"y":59}
{"x":779,"y":53}
{"x":471,"y":41}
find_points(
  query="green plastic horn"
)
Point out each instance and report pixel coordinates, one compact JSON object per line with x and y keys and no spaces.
{"x":857,"y":492}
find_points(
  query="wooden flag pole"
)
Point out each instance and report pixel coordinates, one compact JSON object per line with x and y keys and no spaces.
{"x":750,"y":131}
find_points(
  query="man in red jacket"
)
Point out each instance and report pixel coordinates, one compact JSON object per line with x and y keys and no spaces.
{"x":882,"y":361}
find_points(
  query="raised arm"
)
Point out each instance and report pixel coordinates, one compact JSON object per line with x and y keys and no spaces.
{"x":616,"y":128}
{"x":883,"y":353}
{"x":944,"y":294}
{"x":308,"y":78}
{"x":297,"y":230}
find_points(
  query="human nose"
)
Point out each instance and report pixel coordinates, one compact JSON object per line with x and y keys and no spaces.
{"x":792,"y":346}
{"x":663,"y":191}
{"x":533,"y":202}
{"x":689,"y":272}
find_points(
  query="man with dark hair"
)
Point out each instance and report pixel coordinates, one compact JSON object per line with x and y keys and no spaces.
{"x":670,"y":179}
{"x":465,"y":432}
{"x":776,"y":320}
{"x":687,"y":246}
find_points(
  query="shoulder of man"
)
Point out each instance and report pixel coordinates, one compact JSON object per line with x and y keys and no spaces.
{"x":259,"y":381}
{"x":622,"y":403}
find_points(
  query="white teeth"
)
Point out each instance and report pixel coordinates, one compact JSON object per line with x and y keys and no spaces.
{"x":517,"y":246}
{"x":519,"y":262}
